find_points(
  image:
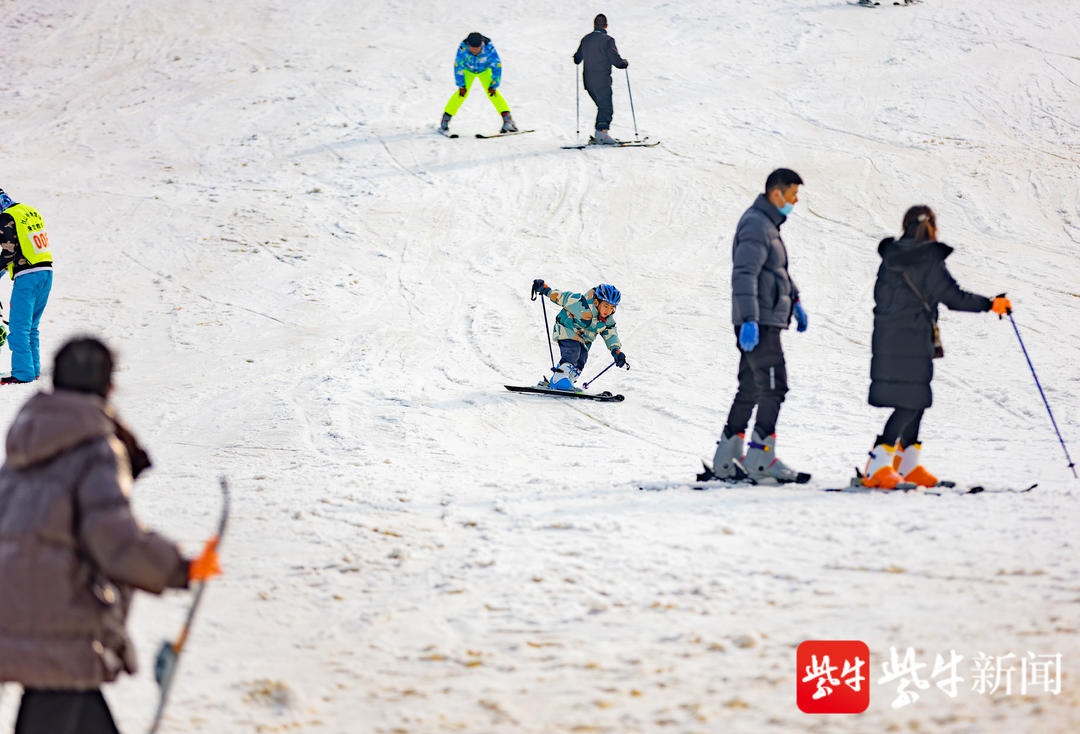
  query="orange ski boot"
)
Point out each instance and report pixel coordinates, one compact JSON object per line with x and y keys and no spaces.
{"x":880,"y":472}
{"x":908,"y":466}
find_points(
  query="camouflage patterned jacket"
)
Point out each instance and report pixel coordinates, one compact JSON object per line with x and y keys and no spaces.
{"x":578,"y":320}
{"x":9,"y":241}
{"x":10,"y":251}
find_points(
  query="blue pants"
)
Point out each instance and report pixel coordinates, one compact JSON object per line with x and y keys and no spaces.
{"x":573,"y":352}
{"x":29,"y":294}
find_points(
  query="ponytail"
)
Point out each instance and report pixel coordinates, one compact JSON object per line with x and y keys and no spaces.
{"x":919,"y":223}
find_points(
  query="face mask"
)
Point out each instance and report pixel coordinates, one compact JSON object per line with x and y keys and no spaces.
{"x":786,"y":209}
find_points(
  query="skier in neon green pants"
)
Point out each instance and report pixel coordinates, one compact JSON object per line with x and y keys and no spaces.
{"x":477,"y":59}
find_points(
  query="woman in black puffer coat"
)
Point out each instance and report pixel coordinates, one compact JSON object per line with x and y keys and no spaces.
{"x":911,"y":283}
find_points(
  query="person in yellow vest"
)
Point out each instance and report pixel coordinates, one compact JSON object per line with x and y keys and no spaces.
{"x":25,"y":253}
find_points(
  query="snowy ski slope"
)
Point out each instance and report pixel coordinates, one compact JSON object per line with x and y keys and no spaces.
{"x":317,"y":296}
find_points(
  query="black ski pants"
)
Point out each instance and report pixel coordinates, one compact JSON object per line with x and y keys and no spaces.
{"x":600,"y":91}
{"x":903,"y":426}
{"x":762,"y":383}
{"x":64,"y":712}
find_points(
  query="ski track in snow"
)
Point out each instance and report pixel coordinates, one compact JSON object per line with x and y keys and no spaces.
{"x":316,"y":295}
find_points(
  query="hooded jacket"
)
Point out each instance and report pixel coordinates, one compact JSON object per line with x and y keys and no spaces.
{"x":71,"y":552}
{"x":488,"y":58}
{"x":901,"y":365}
{"x":761,"y":287}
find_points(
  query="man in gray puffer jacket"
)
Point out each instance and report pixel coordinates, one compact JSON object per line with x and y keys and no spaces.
{"x":71,"y":551}
{"x":763,"y":300}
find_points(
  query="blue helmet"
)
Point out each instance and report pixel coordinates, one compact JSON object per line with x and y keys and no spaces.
{"x":6,"y":202}
{"x":607,"y":293}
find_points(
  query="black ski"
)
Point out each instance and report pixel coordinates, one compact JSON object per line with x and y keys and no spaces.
{"x":706,"y":475}
{"x":605,"y":397}
{"x":705,"y":480}
{"x":698,"y":485}
{"x":643,"y":143}
{"x":702,"y":485}
{"x":503,"y":135}
{"x":867,"y":3}
{"x":446,"y":133}
{"x":169,"y":655}
{"x":979,"y":489}
{"x":855,"y":486}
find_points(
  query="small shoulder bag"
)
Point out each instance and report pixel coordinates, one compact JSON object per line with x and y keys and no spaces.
{"x":939,"y":351}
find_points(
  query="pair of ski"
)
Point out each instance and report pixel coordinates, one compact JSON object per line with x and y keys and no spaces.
{"x":944,"y":486}
{"x":481,"y":136}
{"x":644,"y":142}
{"x":707,"y":480}
{"x":875,"y":3}
{"x":603,"y":397}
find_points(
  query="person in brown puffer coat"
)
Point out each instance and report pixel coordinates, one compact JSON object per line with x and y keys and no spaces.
{"x":71,"y":551}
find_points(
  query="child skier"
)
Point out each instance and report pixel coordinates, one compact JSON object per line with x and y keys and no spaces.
{"x":583,"y":317}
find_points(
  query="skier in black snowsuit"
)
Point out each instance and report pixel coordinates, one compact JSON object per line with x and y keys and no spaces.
{"x":911,"y":282}
{"x":598,"y":53}
{"x":764,"y":298}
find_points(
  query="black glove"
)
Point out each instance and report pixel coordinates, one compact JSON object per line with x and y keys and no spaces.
{"x":619,"y":357}
{"x":139,"y":459}
{"x":540,"y":287}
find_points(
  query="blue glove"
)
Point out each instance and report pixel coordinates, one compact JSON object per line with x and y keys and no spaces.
{"x":540,"y":287}
{"x":748,"y":336}
{"x":619,"y":357}
{"x":800,"y":317}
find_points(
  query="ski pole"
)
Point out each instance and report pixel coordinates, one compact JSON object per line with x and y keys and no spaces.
{"x":577,"y":103}
{"x":168,"y":656}
{"x":547,"y":330}
{"x":631,"y":94}
{"x":1072,"y":465}
{"x":585,"y":385}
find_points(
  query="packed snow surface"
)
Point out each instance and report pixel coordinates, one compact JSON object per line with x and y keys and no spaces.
{"x":316,"y":296}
